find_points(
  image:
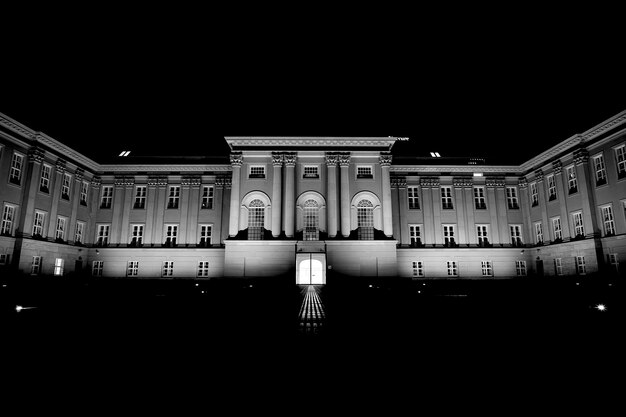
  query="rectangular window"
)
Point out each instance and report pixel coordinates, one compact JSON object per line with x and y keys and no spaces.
{"x":579,"y":228}
{"x":38,"y":222}
{"x":207,"y":197}
{"x":620,"y":158}
{"x":58,"y":266}
{"x":600,"y":169}
{"x":44,"y":181}
{"x":83,"y":193}
{"x":310,"y":171}
{"x":60,"y":229}
{"x":613,"y":261}
{"x":418,"y":269}
{"x":80,"y":230}
{"x":140,"y":197}
{"x":487,"y":268}
{"x":15,"y":175}
{"x":511,"y":198}
{"x":174,"y":197}
{"x":107,"y":197}
{"x":448,"y":234}
{"x":96,"y":268}
{"x":65,"y":187}
{"x":364,"y":172}
{"x":171,"y":234}
{"x":551,"y":188}
{"x":556,"y":228}
{"x":482,"y":234}
{"x":452,"y":269}
{"x":479,"y":198}
{"x":35,"y":267}
{"x":8,"y":217}
{"x":257,"y":171}
{"x":5,"y":258}
{"x":102,"y":239}
{"x":415,"y":234}
{"x":203,"y":269}
{"x":206,"y":231}
{"x":572,"y":182}
{"x":580,"y":265}
{"x":133,"y":269}
{"x":607,"y":220}
{"x":414,"y":202}
{"x":516,"y":235}
{"x":446,"y":198}
{"x":136,"y":234}
{"x":520,"y":268}
{"x":168,"y":269}
{"x":534,"y":195}
{"x":538,"y":233}
{"x":558,"y":266}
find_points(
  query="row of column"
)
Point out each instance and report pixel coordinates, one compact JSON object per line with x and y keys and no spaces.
{"x":288,"y":159}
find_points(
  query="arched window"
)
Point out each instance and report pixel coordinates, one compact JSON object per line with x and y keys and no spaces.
{"x":256,"y":219}
{"x":365,"y":220}
{"x":311,"y":220}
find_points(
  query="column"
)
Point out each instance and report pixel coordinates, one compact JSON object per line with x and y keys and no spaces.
{"x":523,"y":185}
{"x":403,"y":204}
{"x":289,"y":201}
{"x":56,"y":195}
{"x":436,"y":205}
{"x":35,"y":158}
{"x":501,"y":209}
{"x":428,"y":208}
{"x":562,"y":191}
{"x":236,"y":159}
{"x":192,"y":210}
{"x":277,"y":189}
{"x":91,"y":229}
{"x":396,"y":208}
{"x":543,"y":206}
{"x":129,"y":184}
{"x":590,"y":216}
{"x":185,"y":184}
{"x":150,"y":211}
{"x":116,"y":215}
{"x":493,"y":210}
{"x":385,"y":163}
{"x":344,"y":164}
{"x":225,"y":191}
{"x":331,"y":193}
{"x":461,"y":235}
{"x":468,"y":203}
{"x":159,"y":216}
{"x":78,"y":181}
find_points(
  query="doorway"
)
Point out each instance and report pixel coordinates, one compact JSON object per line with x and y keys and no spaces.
{"x":311,"y":269}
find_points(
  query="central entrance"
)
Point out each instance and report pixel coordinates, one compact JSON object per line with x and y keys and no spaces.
{"x":311,"y":268}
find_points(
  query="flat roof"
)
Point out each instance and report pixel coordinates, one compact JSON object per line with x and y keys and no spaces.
{"x":298,"y":142}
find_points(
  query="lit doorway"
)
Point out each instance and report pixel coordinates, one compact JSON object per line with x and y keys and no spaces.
{"x":311,"y":269}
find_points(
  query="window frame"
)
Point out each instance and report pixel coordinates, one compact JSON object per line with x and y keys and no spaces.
{"x":210,"y":196}
{"x":141,"y":195}
{"x":257,"y":176}
{"x":599,"y":169}
{"x":413,"y":198}
{"x":369,"y":176}
{"x":45,"y":168}
{"x":10,"y":209}
{"x":16,"y":156}
{"x":446,"y":205}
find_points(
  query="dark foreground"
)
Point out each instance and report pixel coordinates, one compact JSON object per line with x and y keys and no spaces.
{"x":444,"y":332}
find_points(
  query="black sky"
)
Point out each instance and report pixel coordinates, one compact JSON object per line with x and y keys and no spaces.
{"x":505,"y":90}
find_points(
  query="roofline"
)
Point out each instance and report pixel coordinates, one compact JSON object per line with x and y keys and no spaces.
{"x":311,"y":141}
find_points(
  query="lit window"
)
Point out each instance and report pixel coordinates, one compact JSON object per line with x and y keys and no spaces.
{"x":418,"y":269}
{"x":174,"y":197}
{"x":107,"y":197}
{"x":203,"y":269}
{"x":58,"y":266}
{"x":600,"y":169}
{"x":140,"y":197}
{"x":44,"y":182}
{"x":446,"y":198}
{"x":8,"y":217}
{"x":207,"y":197}
{"x":15,"y":175}
{"x":487,"y":268}
{"x":311,"y":220}
{"x":511,"y":198}
{"x":414,"y":202}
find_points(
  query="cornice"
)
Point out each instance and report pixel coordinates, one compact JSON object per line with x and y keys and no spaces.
{"x":165,"y":168}
{"x":429,"y":169}
{"x":309,"y":141}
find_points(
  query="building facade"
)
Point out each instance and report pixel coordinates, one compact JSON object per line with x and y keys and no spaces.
{"x":304,"y":206}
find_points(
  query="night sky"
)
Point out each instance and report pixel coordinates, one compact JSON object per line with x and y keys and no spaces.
{"x":504,"y":91}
